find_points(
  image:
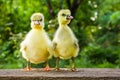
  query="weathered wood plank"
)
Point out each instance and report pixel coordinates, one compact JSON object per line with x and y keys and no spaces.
{"x":80,"y":74}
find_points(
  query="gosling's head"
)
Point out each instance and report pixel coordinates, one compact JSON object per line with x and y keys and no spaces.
{"x":37,"y":21}
{"x":64,"y":16}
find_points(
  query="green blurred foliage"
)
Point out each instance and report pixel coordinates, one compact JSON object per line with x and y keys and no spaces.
{"x":95,"y":24}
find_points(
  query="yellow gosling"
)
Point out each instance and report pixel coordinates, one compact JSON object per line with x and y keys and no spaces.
{"x":36,"y":47}
{"x":65,"y":44}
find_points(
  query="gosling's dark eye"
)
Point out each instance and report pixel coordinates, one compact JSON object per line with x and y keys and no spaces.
{"x":63,"y":14}
{"x":40,"y":20}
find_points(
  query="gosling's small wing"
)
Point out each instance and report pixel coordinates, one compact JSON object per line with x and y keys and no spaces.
{"x":23,"y":46}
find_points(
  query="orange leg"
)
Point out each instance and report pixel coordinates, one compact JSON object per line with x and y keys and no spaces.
{"x":28,"y":68}
{"x":73,"y":64}
{"x":47,"y":68}
{"x":57,"y":64}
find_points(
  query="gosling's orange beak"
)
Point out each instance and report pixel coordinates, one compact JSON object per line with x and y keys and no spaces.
{"x":36,"y":22}
{"x":69,"y":17}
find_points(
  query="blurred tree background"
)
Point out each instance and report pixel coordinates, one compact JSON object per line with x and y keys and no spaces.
{"x":96,"y":24}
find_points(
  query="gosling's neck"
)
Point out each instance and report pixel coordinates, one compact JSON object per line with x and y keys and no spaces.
{"x":63,"y":24}
{"x":37,"y":27}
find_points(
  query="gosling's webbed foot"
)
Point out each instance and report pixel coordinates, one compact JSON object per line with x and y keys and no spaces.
{"x":57,"y":69}
{"x":27,"y":69}
{"x":47,"y":68}
{"x":73,"y":69}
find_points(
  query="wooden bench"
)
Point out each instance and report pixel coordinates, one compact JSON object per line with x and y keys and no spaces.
{"x":63,"y":74}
